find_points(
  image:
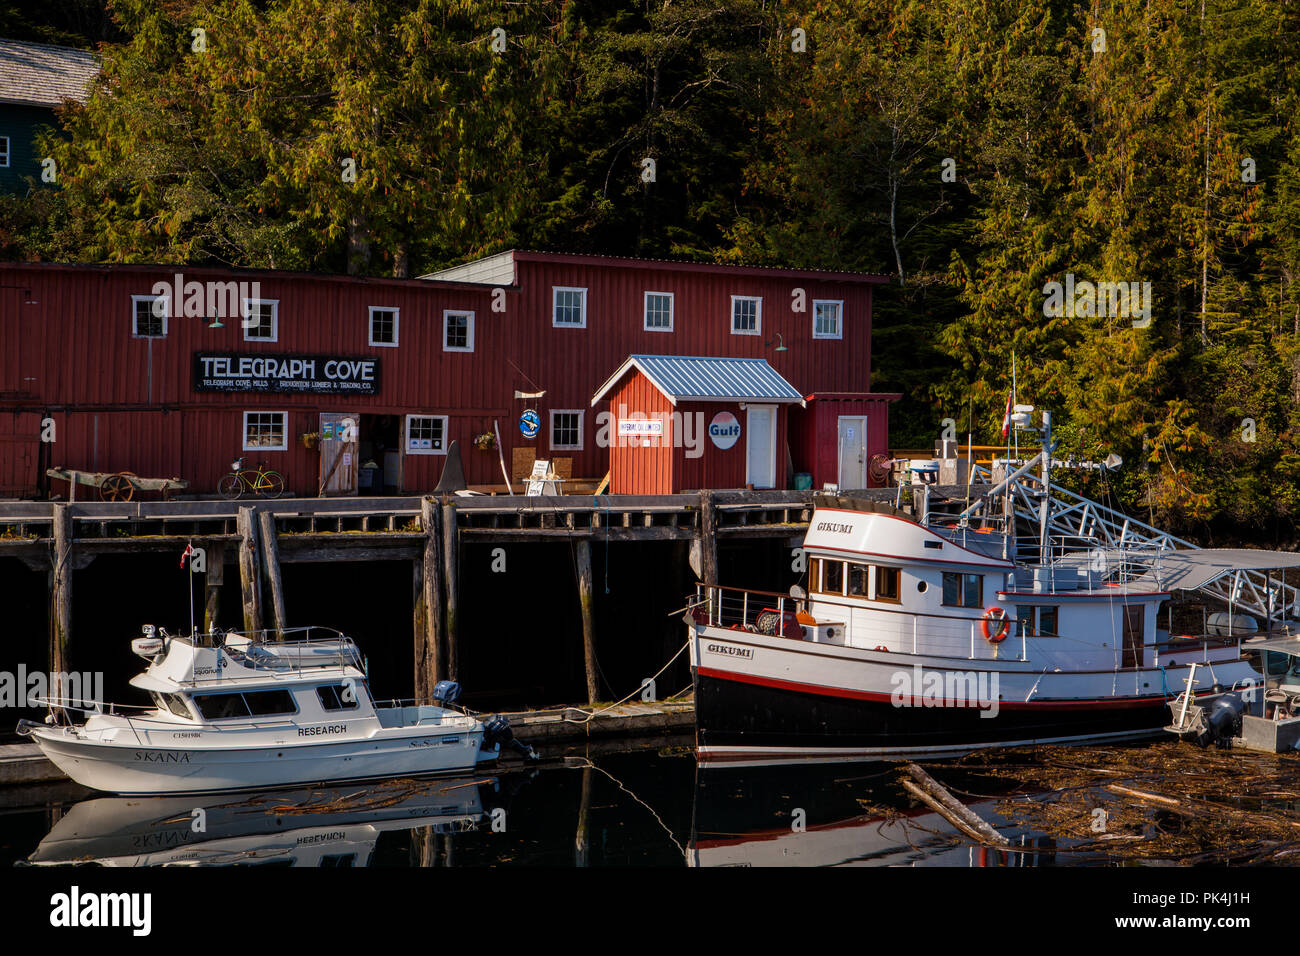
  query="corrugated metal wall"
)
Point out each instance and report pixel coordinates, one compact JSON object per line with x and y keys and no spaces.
{"x":126,"y":403}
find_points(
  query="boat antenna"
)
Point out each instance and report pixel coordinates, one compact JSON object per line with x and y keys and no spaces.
{"x":189,"y":579}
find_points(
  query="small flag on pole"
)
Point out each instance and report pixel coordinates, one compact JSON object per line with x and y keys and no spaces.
{"x":189,"y":550}
{"x":1006,"y":417}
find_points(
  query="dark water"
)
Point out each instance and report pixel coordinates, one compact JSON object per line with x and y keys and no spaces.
{"x":649,"y":807}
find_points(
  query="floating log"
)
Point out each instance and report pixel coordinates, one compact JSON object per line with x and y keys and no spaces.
{"x":271,"y":568}
{"x":249,"y":579}
{"x":586,"y":598}
{"x":932,"y":793}
{"x":450,"y":572}
{"x":1143,"y":795}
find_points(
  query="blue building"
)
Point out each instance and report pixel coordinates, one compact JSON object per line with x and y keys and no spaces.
{"x":35,"y":78}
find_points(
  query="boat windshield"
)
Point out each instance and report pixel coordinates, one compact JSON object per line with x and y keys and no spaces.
{"x":173,"y":702}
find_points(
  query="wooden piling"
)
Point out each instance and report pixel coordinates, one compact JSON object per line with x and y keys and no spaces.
{"x":271,"y":568}
{"x":586,"y":598}
{"x":419,"y":625}
{"x":451,"y":549}
{"x":61,"y":587}
{"x":428,"y":639}
{"x":214,"y":577}
{"x":708,"y":540}
{"x":249,"y":579}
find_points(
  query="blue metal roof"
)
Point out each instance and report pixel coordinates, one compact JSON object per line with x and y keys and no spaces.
{"x":694,"y":378}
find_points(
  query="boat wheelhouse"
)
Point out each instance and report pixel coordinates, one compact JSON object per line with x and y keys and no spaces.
{"x":943,"y":633}
{"x":237,"y":711}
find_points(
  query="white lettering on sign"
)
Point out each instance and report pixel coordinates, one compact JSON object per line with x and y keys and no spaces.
{"x":641,"y":426}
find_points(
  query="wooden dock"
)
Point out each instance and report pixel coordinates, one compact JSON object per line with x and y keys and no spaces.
{"x":252,"y":540}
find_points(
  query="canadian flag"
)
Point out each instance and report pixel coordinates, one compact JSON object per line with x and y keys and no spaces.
{"x":1006,"y":417}
{"x":189,"y":550}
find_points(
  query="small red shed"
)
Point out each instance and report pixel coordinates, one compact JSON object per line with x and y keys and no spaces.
{"x":679,"y":423}
{"x":835,"y":435}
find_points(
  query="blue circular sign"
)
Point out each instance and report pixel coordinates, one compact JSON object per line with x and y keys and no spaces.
{"x":529,"y":423}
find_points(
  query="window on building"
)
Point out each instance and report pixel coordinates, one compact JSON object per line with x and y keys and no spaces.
{"x":962,"y":590}
{"x":261,"y":320}
{"x":457,"y":331}
{"x":658,"y":311}
{"x":570,"y":307}
{"x":859,"y":575}
{"x":886,"y":584}
{"x":826,"y":319}
{"x":149,"y":316}
{"x":426,"y":434}
{"x":266,"y":431}
{"x":337,"y":697}
{"x":4,"y":152}
{"x":383,"y":326}
{"x":566,"y":429}
{"x":746,"y":315}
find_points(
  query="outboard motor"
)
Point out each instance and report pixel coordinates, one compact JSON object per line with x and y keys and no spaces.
{"x":1222,"y":721}
{"x":446,"y":692}
{"x":496,"y":730}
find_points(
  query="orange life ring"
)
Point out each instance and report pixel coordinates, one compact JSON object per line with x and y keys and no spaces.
{"x":1003,"y":625}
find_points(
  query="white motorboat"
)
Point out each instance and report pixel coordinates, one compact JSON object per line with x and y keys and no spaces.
{"x":237,"y":712}
{"x":939,"y":633}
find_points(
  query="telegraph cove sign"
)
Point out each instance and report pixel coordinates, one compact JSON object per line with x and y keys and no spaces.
{"x":310,"y":374}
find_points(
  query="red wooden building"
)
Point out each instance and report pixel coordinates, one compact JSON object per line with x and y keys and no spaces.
{"x":175,"y":371}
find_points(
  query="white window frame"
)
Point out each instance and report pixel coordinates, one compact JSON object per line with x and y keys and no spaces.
{"x":645,"y":313}
{"x":150,"y":299}
{"x":469,"y":330}
{"x":555,"y":307}
{"x":839,"y":319}
{"x":758,"y":314}
{"x":406,"y":436}
{"x":4,"y":158}
{"x":275,"y":319}
{"x":370,"y":332}
{"x":284,"y":418}
{"x":581,"y":413}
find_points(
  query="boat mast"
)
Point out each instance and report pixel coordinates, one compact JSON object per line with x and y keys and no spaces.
{"x":1044,"y":543}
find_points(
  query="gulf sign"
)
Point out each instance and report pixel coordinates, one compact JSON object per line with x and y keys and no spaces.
{"x":724,"y":430}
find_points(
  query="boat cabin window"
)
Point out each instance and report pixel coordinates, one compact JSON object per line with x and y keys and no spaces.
{"x":962,"y":590}
{"x":337,"y":697}
{"x":886,"y":584}
{"x":1036,"y":621}
{"x":259,"y":703}
{"x":173,"y":702}
{"x":858,"y":575}
{"x":826,"y":576}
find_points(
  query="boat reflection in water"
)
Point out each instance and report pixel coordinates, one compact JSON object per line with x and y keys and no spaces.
{"x":751,"y":816}
{"x":335,"y":826}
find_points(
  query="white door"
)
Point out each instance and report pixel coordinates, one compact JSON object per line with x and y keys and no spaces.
{"x":853,"y":453}
{"x":760,"y":448}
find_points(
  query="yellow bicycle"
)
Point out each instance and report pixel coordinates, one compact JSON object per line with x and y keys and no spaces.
{"x":257,"y":481}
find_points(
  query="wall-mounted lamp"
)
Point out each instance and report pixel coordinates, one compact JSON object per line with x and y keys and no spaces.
{"x":781,"y":347}
{"x":216,"y":323}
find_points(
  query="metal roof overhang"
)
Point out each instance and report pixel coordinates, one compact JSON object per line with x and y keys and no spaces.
{"x":1193,"y":570}
{"x":721,"y":376}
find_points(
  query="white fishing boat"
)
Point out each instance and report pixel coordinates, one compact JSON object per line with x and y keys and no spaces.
{"x":1029,"y":616}
{"x":238,"y":711}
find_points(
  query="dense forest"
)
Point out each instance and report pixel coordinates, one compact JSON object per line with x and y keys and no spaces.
{"x":974,"y":150}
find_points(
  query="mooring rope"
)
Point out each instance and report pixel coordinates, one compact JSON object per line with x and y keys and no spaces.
{"x":592,"y":715}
